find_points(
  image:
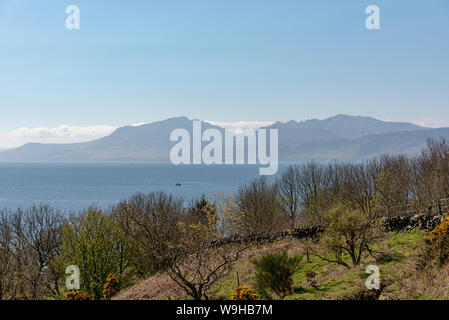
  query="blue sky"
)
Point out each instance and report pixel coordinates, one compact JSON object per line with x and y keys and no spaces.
{"x":224,"y":60}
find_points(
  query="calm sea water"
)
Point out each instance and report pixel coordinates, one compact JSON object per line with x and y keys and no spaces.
{"x":74,"y":186}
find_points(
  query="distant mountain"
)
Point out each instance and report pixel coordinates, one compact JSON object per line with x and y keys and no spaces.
{"x":338,"y":127}
{"x":149,"y":142}
{"x":341,"y":137}
{"x":403,"y":142}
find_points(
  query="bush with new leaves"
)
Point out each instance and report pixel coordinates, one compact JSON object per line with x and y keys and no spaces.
{"x":93,"y":241}
{"x":111,"y":287}
{"x":439,"y":237}
{"x":244,"y":293}
{"x":78,"y":295}
{"x":348,"y":235}
{"x":274,"y":273}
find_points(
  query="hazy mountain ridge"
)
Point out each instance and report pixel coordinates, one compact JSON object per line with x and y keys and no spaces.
{"x":338,"y":127}
{"x":404,"y":142}
{"x":341,"y":137}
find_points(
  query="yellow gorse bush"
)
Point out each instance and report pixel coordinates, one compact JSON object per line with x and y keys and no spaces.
{"x":78,"y":295}
{"x":244,"y":293}
{"x":111,"y":287}
{"x":439,"y":237}
{"x":439,"y":233}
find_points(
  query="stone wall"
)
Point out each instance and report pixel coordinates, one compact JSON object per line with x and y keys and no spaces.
{"x":300,"y":233}
{"x":399,"y":223}
{"x":423,"y":221}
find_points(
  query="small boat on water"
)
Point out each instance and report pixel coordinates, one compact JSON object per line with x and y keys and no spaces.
{"x":178,"y":184}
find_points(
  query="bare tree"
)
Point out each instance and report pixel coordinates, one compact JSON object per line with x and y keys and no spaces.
{"x":358,"y":187}
{"x":429,"y":178}
{"x":151,"y":221}
{"x":316,"y":189}
{"x":289,"y":194}
{"x":392,"y":183}
{"x":200,"y":260}
{"x":259,"y":207}
{"x":36,"y":244}
{"x":179,"y":241}
{"x":7,"y":264}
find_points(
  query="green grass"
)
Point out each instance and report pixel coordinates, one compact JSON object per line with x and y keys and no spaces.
{"x":335,"y":281}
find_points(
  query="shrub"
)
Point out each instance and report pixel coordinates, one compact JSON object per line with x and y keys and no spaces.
{"x":439,"y":237}
{"x":78,"y":295}
{"x":274,"y":273}
{"x":111,"y":287}
{"x":244,"y":293}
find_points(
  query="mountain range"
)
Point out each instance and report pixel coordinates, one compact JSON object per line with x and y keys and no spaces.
{"x":341,"y":137}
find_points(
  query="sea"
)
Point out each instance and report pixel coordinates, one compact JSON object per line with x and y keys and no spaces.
{"x":72,"y":187}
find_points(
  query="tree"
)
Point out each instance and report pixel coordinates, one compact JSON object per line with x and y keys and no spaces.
{"x":348,"y":232}
{"x":7,"y":263}
{"x":357,"y":189}
{"x":94,"y":243}
{"x":196,"y":210}
{"x":318,"y":185}
{"x":429,"y":175}
{"x":199,"y":259}
{"x":289,"y":194}
{"x":259,"y":208}
{"x":151,"y":222}
{"x":36,"y":244}
{"x":183,"y":242}
{"x":392,"y":183}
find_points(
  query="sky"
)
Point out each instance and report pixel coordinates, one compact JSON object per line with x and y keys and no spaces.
{"x":237,"y":62}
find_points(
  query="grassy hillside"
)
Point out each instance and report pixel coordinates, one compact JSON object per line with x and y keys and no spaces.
{"x":406,"y":271}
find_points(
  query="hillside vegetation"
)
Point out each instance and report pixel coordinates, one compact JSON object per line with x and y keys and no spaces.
{"x":404,"y":272}
{"x":331,"y":218}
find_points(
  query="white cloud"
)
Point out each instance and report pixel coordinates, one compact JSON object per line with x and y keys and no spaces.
{"x":61,"y":131}
{"x":138,"y":124}
{"x":60,"y":134}
{"x":241,"y":126}
{"x":431,"y":123}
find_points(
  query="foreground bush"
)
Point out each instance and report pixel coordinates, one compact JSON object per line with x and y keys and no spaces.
{"x":78,"y":295}
{"x":244,"y":293}
{"x":439,"y":237}
{"x":274,"y":273}
{"x":111,"y":287}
